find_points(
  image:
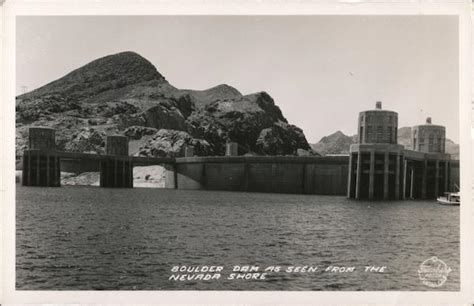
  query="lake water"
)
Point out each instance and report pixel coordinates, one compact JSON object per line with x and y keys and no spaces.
{"x":88,"y":238}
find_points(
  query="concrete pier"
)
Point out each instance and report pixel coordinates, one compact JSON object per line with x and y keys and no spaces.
{"x":377,"y":173}
{"x":423,"y":179}
{"x":371,"y":175}
{"x":170,"y":176}
{"x":446,"y":176}
{"x":350,"y":176}
{"x":405,"y":172}
{"x":397,"y":177}
{"x":40,"y":161}
{"x":116,"y":170}
{"x":358,"y":180}
{"x":385,"y":176}
{"x":436,"y":188}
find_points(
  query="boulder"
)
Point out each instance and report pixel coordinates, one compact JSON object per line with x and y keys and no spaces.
{"x":86,"y":140}
{"x":281,"y":139}
{"x":164,"y":116}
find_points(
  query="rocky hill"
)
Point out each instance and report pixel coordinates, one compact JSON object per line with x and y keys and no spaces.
{"x":125,"y":94}
{"x":339,"y":143}
{"x":336,"y":143}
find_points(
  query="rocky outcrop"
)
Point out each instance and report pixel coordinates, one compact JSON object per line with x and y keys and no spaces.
{"x":125,"y":94}
{"x":243,"y":120}
{"x":137,"y":132}
{"x":336,"y":143}
{"x":164,"y":116}
{"x":36,"y":108}
{"x":281,"y":139}
{"x":171,"y":143}
{"x":86,"y":140}
{"x":221,"y":92}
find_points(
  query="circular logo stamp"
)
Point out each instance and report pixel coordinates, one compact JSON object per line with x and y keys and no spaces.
{"x":433,"y":272}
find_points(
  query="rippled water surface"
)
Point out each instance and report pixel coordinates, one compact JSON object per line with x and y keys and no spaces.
{"x":74,"y":238}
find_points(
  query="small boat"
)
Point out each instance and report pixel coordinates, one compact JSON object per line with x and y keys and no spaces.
{"x":450,"y":198}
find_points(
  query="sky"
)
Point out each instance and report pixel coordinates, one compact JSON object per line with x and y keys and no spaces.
{"x":320,"y":70}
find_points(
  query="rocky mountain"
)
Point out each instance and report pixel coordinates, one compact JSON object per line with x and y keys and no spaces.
{"x":125,"y":94}
{"x":336,"y":143}
{"x":339,"y":143}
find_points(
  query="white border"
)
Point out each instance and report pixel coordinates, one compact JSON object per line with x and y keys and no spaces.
{"x":12,"y":8}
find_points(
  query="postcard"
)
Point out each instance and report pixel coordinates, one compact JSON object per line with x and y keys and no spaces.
{"x":254,"y":152}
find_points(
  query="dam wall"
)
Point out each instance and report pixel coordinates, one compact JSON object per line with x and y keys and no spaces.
{"x":281,"y":174}
{"x":309,"y":175}
{"x":79,"y":165}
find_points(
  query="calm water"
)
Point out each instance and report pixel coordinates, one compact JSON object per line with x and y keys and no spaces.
{"x":74,"y":238}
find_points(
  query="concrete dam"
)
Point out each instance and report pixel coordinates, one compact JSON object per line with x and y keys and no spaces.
{"x":278,"y":174}
{"x":376,"y":168}
{"x":308,"y":175}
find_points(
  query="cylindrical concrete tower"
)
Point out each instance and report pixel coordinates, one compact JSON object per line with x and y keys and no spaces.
{"x":378,"y":126}
{"x":375,"y":162}
{"x":116,"y":145}
{"x":41,"y":138}
{"x":40,"y":161}
{"x":429,"y":138}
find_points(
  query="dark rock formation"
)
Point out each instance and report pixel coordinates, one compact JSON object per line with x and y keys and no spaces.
{"x":171,"y":143}
{"x":37,"y":108}
{"x":125,"y":94}
{"x":137,"y":132}
{"x":86,"y":140}
{"x":164,"y":115}
{"x":281,"y":139}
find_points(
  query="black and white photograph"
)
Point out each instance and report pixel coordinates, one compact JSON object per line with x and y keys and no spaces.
{"x":238,"y":153}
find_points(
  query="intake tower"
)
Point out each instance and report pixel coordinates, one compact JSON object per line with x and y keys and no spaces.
{"x":380,"y":168}
{"x":375,"y":161}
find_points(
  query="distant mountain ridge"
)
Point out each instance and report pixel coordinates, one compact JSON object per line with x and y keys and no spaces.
{"x":336,"y":143}
{"x":339,"y":143}
{"x":125,"y":94}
